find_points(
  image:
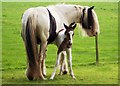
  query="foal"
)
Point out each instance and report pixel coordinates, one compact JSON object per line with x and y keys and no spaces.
{"x":65,"y":39}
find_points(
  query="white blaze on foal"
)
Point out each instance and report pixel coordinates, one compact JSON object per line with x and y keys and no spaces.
{"x":66,"y":45}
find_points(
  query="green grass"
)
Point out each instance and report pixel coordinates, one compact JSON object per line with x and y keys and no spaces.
{"x":86,"y":72}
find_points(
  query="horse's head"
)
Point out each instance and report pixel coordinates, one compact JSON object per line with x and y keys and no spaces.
{"x":70,"y":32}
{"x":89,"y":21}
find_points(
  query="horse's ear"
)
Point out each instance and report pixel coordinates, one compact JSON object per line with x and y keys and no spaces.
{"x":74,"y":26}
{"x":91,"y":7}
{"x":66,"y":27}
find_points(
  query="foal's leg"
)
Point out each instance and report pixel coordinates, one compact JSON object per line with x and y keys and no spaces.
{"x":56,"y":65}
{"x":69,"y":52}
{"x":64,"y":64}
{"x":61,"y":64}
{"x":41,"y":59}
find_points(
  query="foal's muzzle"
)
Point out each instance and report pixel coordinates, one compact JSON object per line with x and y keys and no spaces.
{"x":70,"y":43}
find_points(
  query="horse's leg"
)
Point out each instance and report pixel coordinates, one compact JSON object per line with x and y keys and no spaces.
{"x":43,"y":64}
{"x":41,"y":59}
{"x":69,"y":52}
{"x":30,"y":72}
{"x":56,"y":65}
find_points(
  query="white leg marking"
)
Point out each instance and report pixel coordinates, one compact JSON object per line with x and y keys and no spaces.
{"x":65,"y":66}
{"x":56,"y":65}
{"x":41,"y":59}
{"x":61,"y":63}
{"x":70,"y":62}
{"x":44,"y":68}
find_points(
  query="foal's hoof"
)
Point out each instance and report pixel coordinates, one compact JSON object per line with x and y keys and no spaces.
{"x":64,"y":72}
{"x":60,"y":74}
{"x":51,"y":78}
{"x":74,"y":77}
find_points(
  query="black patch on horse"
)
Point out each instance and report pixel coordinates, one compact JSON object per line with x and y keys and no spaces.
{"x":88,"y":24}
{"x":83,"y":23}
{"x":52,"y":30}
{"x":90,"y":19}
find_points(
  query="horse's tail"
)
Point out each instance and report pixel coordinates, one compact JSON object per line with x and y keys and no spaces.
{"x":31,"y":46}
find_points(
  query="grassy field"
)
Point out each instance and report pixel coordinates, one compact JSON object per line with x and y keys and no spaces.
{"x":86,"y":72}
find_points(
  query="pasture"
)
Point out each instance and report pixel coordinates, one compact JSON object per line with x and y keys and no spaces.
{"x":85,"y":70}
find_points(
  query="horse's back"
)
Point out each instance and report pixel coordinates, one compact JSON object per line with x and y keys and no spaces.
{"x":40,"y":12}
{"x":41,"y":18}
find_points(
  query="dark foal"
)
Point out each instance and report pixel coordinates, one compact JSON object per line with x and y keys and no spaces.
{"x":65,"y":45}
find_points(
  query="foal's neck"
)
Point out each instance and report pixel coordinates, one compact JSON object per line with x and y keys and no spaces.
{"x":64,"y":45}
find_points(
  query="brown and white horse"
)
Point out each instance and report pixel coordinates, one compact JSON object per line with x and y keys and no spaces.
{"x":65,"y":39}
{"x":40,"y":26}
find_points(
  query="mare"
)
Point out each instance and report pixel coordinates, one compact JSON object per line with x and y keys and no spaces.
{"x":40,"y":26}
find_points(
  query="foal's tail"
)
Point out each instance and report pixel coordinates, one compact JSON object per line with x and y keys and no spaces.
{"x":29,"y":37}
{"x":30,"y":41}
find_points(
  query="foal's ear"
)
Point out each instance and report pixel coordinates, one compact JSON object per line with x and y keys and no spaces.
{"x":74,"y":26}
{"x":66,"y":27}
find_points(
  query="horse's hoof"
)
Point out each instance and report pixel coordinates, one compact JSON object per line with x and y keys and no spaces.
{"x":44,"y":78}
{"x":44,"y":74}
{"x":30,"y":78}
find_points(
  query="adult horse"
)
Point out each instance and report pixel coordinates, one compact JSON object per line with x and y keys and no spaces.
{"x":40,"y":26}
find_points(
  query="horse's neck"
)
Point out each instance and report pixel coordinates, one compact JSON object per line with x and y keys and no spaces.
{"x":68,"y":13}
